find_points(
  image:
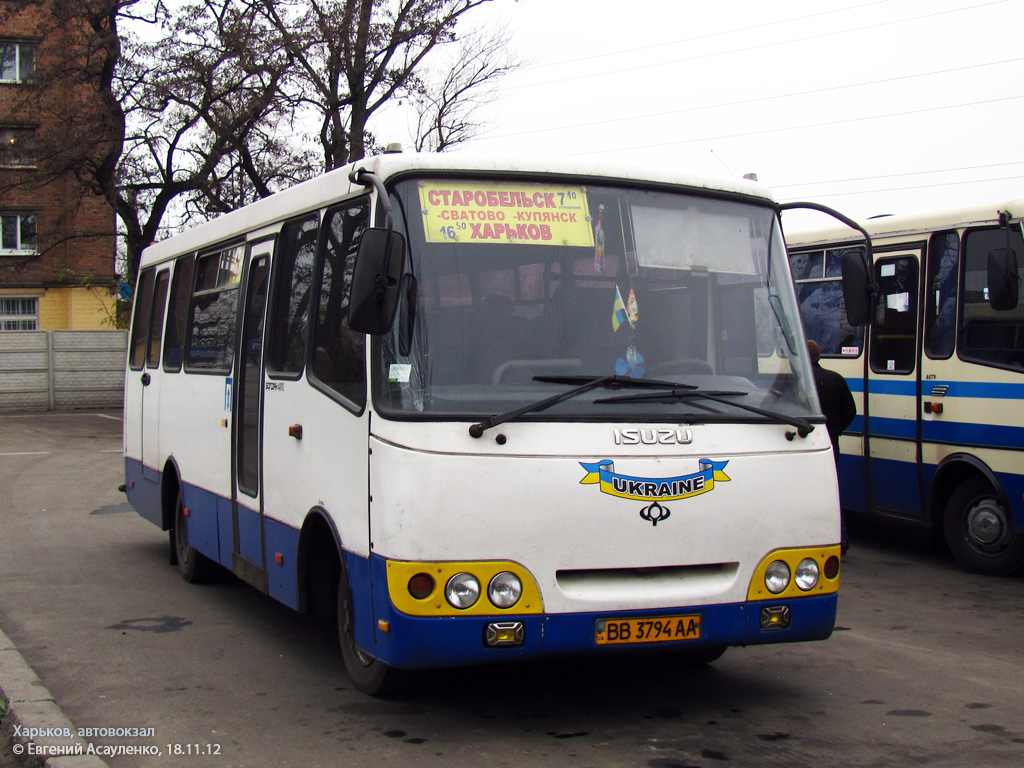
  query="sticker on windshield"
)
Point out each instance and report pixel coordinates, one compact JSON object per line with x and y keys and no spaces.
{"x":539,"y":214}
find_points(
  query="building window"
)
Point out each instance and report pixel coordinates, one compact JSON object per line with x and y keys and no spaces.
{"x":18,"y":314}
{"x":18,"y":233}
{"x":17,"y":146}
{"x":17,"y":61}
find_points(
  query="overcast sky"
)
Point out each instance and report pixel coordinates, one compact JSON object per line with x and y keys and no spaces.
{"x":870,"y":106}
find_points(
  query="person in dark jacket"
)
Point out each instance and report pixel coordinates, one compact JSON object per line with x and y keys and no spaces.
{"x":838,"y":406}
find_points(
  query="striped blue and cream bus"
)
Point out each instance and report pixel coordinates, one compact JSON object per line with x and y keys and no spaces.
{"x":483,"y":411}
{"x":938,"y":373}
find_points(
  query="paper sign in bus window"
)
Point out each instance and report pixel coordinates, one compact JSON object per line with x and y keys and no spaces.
{"x":900,"y":302}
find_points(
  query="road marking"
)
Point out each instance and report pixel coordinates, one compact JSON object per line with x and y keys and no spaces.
{"x":27,"y":453}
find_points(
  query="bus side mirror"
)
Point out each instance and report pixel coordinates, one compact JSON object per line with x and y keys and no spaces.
{"x":1003,"y":280}
{"x":858,"y":288}
{"x":376,"y":277}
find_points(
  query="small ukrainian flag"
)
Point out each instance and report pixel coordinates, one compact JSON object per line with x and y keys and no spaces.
{"x":618,"y":310}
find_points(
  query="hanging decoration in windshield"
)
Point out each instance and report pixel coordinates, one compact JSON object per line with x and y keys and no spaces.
{"x":539,"y":214}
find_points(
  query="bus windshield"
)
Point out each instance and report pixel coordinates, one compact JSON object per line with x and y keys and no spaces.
{"x":512,"y":284}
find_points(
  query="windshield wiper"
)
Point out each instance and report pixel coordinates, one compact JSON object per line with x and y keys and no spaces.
{"x":803,"y":427}
{"x":586,"y":384}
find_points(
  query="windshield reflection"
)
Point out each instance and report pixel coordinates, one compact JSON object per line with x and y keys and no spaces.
{"x":510,"y":281}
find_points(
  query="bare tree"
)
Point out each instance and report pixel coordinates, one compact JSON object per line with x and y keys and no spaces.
{"x":354,"y":57}
{"x":209,"y":125}
{"x":447,"y":109}
{"x":188,"y":110}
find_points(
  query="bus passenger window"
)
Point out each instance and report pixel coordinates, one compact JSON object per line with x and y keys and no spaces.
{"x":215,"y":311}
{"x":338,"y":352}
{"x":156,"y":323}
{"x":292,"y":296}
{"x":140,"y":329}
{"x":940,"y":302}
{"x":819,"y":288}
{"x":990,"y":336}
{"x":177,"y":314}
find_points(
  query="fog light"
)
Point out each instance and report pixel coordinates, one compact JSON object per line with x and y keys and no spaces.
{"x":806,"y":574}
{"x":775,"y":617}
{"x":421,"y":586}
{"x":832,"y":567}
{"x":776,"y":577}
{"x":504,"y":634}
{"x":462,"y":590}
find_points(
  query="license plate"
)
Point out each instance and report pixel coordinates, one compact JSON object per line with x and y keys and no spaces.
{"x":657,"y":629}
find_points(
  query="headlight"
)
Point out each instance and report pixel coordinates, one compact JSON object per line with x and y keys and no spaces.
{"x":807,"y":574}
{"x":462,"y":590}
{"x":776,"y":577}
{"x":505,"y":590}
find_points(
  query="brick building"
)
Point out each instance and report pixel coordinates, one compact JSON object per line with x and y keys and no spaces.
{"x":57,"y":244}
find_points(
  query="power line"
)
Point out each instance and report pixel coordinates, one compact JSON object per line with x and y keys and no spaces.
{"x":826,"y":124}
{"x":916,"y":186}
{"x":708,"y":36}
{"x":743,"y":102}
{"x":901,"y":175}
{"x":748,"y":49}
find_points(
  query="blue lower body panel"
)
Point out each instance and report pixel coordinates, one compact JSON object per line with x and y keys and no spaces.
{"x":211,"y":530}
{"x":416,"y":642}
{"x":143,"y":493}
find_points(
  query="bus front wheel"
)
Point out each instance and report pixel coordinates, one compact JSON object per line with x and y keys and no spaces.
{"x":979,"y":530}
{"x":369,"y":675}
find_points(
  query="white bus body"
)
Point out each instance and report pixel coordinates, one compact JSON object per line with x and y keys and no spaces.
{"x":940,"y":431}
{"x":676,"y":500}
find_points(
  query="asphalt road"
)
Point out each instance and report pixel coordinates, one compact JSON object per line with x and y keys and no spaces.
{"x":925,"y":667}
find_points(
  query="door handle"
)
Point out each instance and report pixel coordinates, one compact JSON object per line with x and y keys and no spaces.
{"x":146,"y":379}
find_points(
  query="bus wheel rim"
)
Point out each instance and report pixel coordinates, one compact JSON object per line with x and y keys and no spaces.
{"x":987,"y":526}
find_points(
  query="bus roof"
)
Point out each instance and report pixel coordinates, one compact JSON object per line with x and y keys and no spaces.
{"x":335,"y":185}
{"x":908,"y":224}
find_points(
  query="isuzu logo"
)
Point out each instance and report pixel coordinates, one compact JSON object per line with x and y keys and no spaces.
{"x":651,"y":436}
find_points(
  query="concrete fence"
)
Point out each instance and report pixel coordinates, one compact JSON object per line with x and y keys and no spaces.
{"x":60,"y":370}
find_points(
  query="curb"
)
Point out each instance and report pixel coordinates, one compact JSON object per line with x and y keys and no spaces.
{"x":31,"y":705}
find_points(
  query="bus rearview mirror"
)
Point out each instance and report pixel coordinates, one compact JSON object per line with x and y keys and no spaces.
{"x":1003,"y":279}
{"x":376,"y":277}
{"x":858,"y":289}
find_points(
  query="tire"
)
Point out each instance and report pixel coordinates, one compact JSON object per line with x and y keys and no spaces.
{"x":979,"y":530}
{"x":369,"y":675}
{"x":194,"y":567}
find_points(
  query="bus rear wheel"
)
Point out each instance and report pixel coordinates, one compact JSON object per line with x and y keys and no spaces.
{"x":369,"y":675}
{"x":979,"y":530}
{"x":194,"y":567}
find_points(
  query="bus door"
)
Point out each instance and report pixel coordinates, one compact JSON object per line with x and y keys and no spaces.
{"x":247,"y":507}
{"x":892,"y":441}
{"x":140,"y":397}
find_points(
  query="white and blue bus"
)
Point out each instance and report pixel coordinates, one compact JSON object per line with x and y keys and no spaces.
{"x":485,"y":411}
{"x":938,"y":373}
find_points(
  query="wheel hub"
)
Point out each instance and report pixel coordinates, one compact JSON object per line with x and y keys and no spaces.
{"x":987,"y":525}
